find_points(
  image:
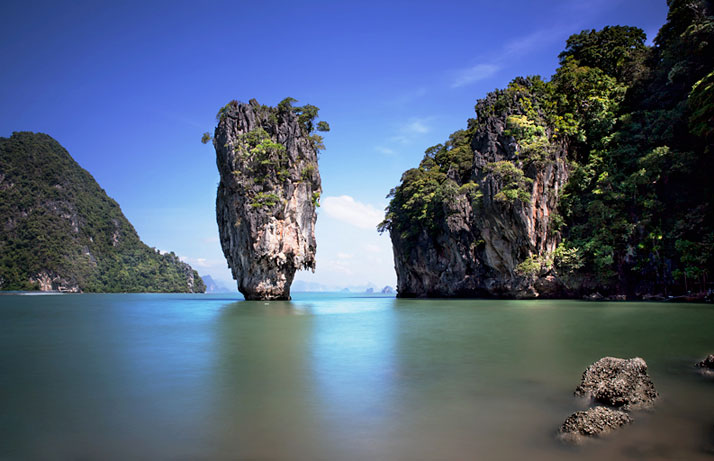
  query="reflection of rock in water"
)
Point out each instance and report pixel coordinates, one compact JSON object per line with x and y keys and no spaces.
{"x":295,"y":383}
{"x":264,"y":396}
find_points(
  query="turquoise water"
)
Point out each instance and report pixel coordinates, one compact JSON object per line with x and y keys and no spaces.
{"x":336,"y":376}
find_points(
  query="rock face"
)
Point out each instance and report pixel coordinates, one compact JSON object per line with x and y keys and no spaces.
{"x":50,"y":281}
{"x":59,"y":231}
{"x":593,"y":422}
{"x":622,"y":383}
{"x":489,"y":228}
{"x":267,"y":195}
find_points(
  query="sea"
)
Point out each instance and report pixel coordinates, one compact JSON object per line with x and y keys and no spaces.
{"x":338,"y":376}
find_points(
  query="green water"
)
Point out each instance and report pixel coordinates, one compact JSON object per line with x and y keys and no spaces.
{"x":333,"y":377}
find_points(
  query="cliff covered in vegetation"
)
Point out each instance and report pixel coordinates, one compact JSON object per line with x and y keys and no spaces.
{"x":268,"y":193}
{"x":60,"y":231}
{"x":598,"y":180}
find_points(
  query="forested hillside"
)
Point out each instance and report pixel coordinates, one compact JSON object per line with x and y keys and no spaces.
{"x":598,"y":180}
{"x":60,"y":231}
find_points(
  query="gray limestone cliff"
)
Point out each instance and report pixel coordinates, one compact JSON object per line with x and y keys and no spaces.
{"x":268,"y":193}
{"x":478,"y":217}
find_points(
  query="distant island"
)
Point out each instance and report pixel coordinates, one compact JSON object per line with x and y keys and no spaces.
{"x":61,"y":232}
{"x":212,"y":286}
{"x":595,"y":183}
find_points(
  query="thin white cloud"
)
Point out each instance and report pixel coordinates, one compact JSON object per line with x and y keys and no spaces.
{"x":384,"y":150}
{"x":408,"y":97}
{"x":203,"y":263}
{"x":417,"y":126}
{"x":372,"y":248}
{"x":339,"y":266}
{"x":474,"y":74}
{"x":348,"y":210}
{"x":522,"y":45}
{"x":512,"y":50}
{"x":344,"y":256}
{"x":537,"y":39}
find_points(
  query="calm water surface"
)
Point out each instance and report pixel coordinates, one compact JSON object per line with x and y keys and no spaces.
{"x":334,"y":377}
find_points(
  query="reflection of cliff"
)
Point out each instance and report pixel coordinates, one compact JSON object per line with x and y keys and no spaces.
{"x":354,"y":371}
{"x":298,"y":381}
{"x":464,"y":389}
{"x":264,"y":397}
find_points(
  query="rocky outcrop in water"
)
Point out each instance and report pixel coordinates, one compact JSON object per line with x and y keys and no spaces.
{"x":708,"y":362}
{"x":479,"y":215}
{"x":620,"y":383}
{"x":268,"y":193}
{"x":572,"y":186}
{"x":617,"y":386}
{"x":593,"y":422}
{"x":706,"y":366}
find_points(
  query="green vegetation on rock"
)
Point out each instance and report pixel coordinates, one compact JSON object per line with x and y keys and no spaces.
{"x":636,"y":123}
{"x":263,"y":161}
{"x":513,"y":184}
{"x":59,"y":228}
{"x":270,"y":185}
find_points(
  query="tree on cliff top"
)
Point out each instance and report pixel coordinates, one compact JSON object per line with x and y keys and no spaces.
{"x":637,"y":120}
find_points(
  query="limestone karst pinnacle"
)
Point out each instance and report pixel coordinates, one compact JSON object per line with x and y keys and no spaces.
{"x":268,"y":193}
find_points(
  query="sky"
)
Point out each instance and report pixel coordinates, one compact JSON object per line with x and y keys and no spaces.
{"x":128,"y":88}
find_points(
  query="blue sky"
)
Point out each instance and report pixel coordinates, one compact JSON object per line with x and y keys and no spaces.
{"x":129,"y":87}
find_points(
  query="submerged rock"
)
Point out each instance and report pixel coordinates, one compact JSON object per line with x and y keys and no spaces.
{"x":268,"y":192}
{"x":708,"y":362}
{"x":593,"y":297}
{"x":706,"y":366}
{"x":593,"y":422}
{"x":622,"y":383}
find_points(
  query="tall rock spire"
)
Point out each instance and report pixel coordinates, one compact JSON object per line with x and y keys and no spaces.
{"x":268,"y":193}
